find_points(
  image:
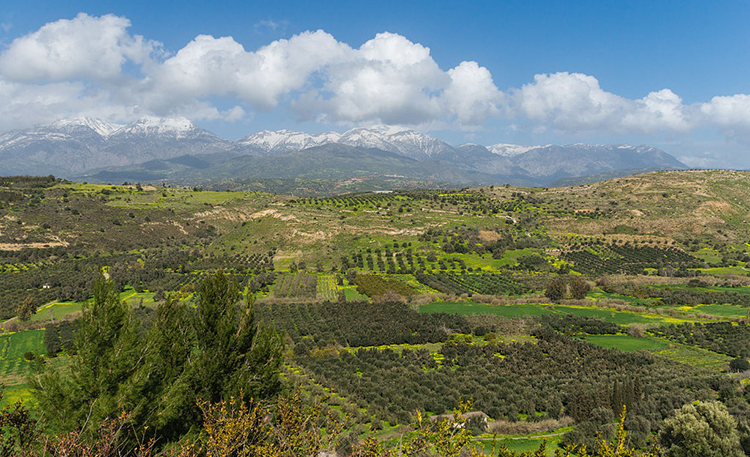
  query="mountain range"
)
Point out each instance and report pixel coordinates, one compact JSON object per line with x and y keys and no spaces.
{"x":175,"y":150}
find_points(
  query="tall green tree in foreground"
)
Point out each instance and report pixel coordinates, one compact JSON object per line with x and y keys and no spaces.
{"x":155,"y":376}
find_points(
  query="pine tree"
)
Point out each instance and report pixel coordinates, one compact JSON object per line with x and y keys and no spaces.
{"x":234,"y":353}
{"x":107,"y":353}
{"x":153,"y":379}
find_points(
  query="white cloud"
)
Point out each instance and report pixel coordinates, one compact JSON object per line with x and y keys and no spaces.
{"x":705,"y":159}
{"x":471,"y":95}
{"x":209,"y":66}
{"x":83,"y":47}
{"x":24,"y":105}
{"x":731,"y":114}
{"x":388,"y":79}
{"x":392,"y":80}
{"x":574,"y":102}
{"x":568,"y":101}
{"x":662,"y":110}
{"x":269,"y":25}
{"x":92,"y":66}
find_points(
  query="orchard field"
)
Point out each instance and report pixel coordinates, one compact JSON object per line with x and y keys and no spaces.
{"x":538,"y":304}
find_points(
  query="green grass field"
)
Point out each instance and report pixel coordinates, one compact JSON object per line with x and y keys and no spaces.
{"x":739,"y":290}
{"x":694,"y":356}
{"x":13,"y":368}
{"x":481,"y":308}
{"x":719,"y":310}
{"x":57,"y":311}
{"x":135,"y":299}
{"x":327,"y":288}
{"x":511,"y":257}
{"x":724,"y":271}
{"x":15,"y":393}
{"x":352,"y":294}
{"x":625,"y":342}
{"x":710,"y":256}
{"x":616,"y":317}
{"x":599,"y":294}
{"x":522,"y":445}
{"x":535,"y":309}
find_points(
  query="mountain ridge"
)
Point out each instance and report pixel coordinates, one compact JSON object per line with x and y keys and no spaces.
{"x":83,"y":147}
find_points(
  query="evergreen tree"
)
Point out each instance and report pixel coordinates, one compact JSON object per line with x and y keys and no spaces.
{"x":107,"y":353}
{"x":26,"y":309}
{"x":157,"y":375}
{"x":51,"y":340}
{"x":233,"y":353}
{"x":739,"y":364}
{"x":154,"y":389}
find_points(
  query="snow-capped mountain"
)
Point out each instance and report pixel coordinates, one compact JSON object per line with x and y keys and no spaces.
{"x":152,"y":126}
{"x":510,"y":150}
{"x":72,"y":147}
{"x":586,"y":159}
{"x":386,"y":138}
{"x":77,"y":125}
{"x":394,"y":139}
{"x":282,"y":141}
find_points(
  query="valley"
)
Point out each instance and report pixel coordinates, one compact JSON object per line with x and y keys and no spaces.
{"x":548,"y":308}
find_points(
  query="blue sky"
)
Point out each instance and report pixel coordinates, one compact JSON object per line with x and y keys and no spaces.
{"x":669,"y":74}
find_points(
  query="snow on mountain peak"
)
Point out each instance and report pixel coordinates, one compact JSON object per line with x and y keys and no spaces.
{"x":287,"y":140}
{"x":510,"y":150}
{"x":152,"y":124}
{"x":101,"y":127}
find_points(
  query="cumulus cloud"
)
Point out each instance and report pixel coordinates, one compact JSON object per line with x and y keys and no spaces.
{"x":569,"y":101}
{"x":731,"y":114}
{"x":392,"y":80}
{"x":209,"y":66}
{"x":662,"y":110}
{"x":471,"y":94}
{"x":83,"y":47}
{"x":574,"y":102}
{"x":24,"y":105}
{"x":93,"y":66}
{"x":388,"y":78}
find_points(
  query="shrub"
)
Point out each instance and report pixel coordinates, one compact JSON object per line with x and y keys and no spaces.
{"x":739,"y":364}
{"x":557,"y":289}
{"x":578,"y":288}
